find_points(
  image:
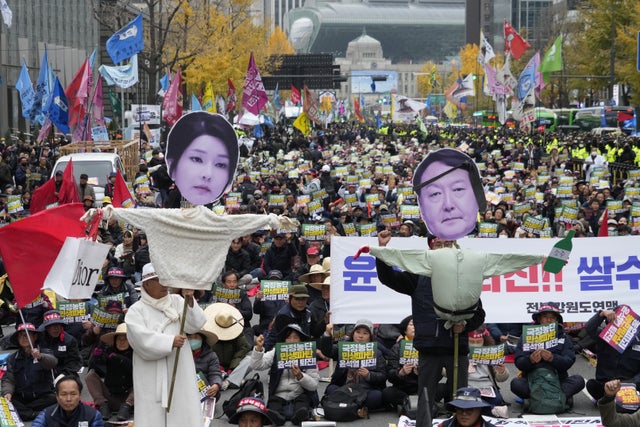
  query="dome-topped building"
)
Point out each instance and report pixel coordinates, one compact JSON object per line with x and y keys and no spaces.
{"x":364,"y":48}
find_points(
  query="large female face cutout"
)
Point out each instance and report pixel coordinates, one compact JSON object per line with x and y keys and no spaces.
{"x":449,"y":193}
{"x":201,"y":156}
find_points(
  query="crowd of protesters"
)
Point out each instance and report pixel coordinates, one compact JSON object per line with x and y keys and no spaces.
{"x":353,"y":181}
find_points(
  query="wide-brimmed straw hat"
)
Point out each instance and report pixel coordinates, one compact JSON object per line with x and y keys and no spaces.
{"x":224,"y":321}
{"x":110,"y":338}
{"x":318,"y":286}
{"x":315,"y":269}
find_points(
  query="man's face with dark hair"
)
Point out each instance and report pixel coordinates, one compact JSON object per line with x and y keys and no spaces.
{"x":448,"y":205}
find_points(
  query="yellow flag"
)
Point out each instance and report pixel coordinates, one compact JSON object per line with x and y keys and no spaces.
{"x":208,"y":99}
{"x":302,"y":124}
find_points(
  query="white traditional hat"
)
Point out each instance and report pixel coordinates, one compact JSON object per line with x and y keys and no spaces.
{"x":223,"y":320}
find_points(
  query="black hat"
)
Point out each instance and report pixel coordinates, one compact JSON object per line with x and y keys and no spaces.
{"x":293,"y":327}
{"x":467,"y":398}
{"x":84,"y":176}
{"x":252,"y":404}
{"x":21,"y":327}
{"x":51,"y":317}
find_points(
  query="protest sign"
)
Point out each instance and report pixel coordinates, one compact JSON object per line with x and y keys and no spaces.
{"x":105,"y":319}
{"x":73,"y":312}
{"x":409,"y":212}
{"x":315,"y":206}
{"x":534,"y":225}
{"x":370,"y":229}
{"x":8,"y":415}
{"x":487,"y":355}
{"x":350,"y":229}
{"x":619,"y":333}
{"x":302,"y":354}
{"x":314,"y":232}
{"x":275,"y":200}
{"x":357,"y":354}
{"x":320,"y":194}
{"x":408,"y":354}
{"x":275,"y":290}
{"x":103,"y":300}
{"x":627,"y":397}
{"x":230,"y":296}
{"x":535,"y":337}
{"x":487,"y":229}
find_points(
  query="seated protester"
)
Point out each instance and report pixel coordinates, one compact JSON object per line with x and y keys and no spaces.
{"x":69,"y":409}
{"x":320,"y":308}
{"x":607,"y":407}
{"x":371,"y":379}
{"x":93,"y":332}
{"x":232,"y":346}
{"x":267,"y":310}
{"x":124,"y":254}
{"x":487,"y":377}
{"x":404,"y":377}
{"x":28,"y":381}
{"x":238,"y":259}
{"x":295,"y":311}
{"x":229,"y":280}
{"x":206,"y":361}
{"x":252,"y":412}
{"x":280,"y":256}
{"x":292,"y":392}
{"x":467,"y":407}
{"x":61,"y":345}
{"x":34,"y":311}
{"x":315,"y":274}
{"x":141,"y":255}
{"x":112,"y":388}
{"x":501,"y":332}
{"x":611,"y":364}
{"x":116,"y":284}
{"x":558,"y":359}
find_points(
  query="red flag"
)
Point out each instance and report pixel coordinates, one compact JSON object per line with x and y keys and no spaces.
{"x":310,"y":107}
{"x":172,"y":103}
{"x":43,"y":196}
{"x":232,"y":100}
{"x":513,"y":42}
{"x":69,"y":189}
{"x":356,"y":109}
{"x":78,"y":93}
{"x":29,"y":247}
{"x":121,"y":194}
{"x":254,"y":97}
{"x":295,"y":95}
{"x":603,"y":231}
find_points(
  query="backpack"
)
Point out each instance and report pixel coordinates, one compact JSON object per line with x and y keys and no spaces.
{"x":345,"y":403}
{"x":251,"y":387}
{"x":546,"y":395}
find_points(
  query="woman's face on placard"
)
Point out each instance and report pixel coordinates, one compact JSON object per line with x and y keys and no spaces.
{"x":202,"y":172}
{"x":448,"y":205}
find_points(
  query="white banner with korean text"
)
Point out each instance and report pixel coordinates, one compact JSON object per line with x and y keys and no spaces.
{"x":602,"y":272}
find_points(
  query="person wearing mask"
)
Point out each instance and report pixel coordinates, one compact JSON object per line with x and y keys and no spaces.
{"x":206,"y":360}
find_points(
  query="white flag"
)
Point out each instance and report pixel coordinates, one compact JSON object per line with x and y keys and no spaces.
{"x":485,"y":53}
{"x":123,"y":76}
{"x":7,"y":15}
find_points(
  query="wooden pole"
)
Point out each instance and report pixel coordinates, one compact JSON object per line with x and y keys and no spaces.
{"x":175,"y":361}
{"x":456,"y":351}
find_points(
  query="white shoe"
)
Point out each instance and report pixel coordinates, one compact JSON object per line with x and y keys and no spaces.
{"x":224,"y":385}
{"x":318,"y":413}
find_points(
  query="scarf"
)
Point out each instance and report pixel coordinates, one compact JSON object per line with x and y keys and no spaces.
{"x":163,"y":304}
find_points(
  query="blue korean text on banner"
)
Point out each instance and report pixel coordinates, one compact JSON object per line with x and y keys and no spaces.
{"x":127,"y":41}
{"x":27,"y":94}
{"x":58,"y":108}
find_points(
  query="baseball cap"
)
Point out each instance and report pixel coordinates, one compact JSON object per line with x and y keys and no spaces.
{"x":313,"y":251}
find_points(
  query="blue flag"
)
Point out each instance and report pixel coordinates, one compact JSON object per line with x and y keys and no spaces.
{"x":378,"y":122}
{"x":195,"y":104}
{"x":527,"y":79}
{"x":92,"y":58}
{"x":276,"y":99}
{"x":42,"y":90}
{"x":258,"y":132}
{"x":58,"y":108}
{"x":373,"y":85}
{"x":27,"y":94}
{"x":127,"y":41}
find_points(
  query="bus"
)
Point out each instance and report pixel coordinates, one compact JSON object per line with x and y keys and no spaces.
{"x":547,"y":118}
{"x":566,"y":116}
{"x":485,"y":118}
{"x":618,"y":116}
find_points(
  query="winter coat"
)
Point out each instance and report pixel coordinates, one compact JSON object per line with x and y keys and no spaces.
{"x":55,"y":416}
{"x":26,"y":379}
{"x":282,"y":383}
{"x":65,"y":349}
{"x":208,"y":363}
{"x":563,"y":357}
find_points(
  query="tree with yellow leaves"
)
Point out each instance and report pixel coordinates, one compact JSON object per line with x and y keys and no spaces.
{"x":279,"y":44}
